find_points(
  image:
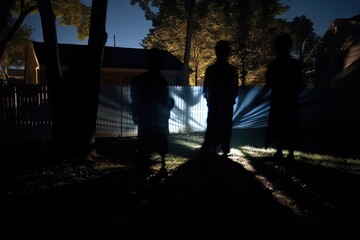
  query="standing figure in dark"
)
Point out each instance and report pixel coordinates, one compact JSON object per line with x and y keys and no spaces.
{"x":284,"y":78}
{"x":151,"y":106}
{"x":220,"y":90}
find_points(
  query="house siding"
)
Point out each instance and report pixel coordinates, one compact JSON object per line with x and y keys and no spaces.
{"x":338,"y":49}
{"x":31,"y":66}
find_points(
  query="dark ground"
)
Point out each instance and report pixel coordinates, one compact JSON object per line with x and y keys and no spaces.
{"x":247,"y":196}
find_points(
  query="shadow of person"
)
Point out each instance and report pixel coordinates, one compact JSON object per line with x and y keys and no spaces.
{"x":151,"y":106}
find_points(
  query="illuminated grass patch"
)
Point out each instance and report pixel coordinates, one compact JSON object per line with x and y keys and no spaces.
{"x":349,"y":165}
{"x":172,"y":162}
{"x":182,"y":148}
{"x":190,"y":141}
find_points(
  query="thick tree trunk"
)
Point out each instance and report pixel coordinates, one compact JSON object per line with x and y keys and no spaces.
{"x":53,"y":74}
{"x":89,"y":74}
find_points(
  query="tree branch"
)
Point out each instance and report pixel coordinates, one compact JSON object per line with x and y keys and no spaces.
{"x":19,"y":21}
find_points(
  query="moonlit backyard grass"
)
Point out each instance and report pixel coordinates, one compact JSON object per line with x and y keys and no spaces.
{"x":182,"y":148}
{"x":349,"y":165}
{"x":193,"y":143}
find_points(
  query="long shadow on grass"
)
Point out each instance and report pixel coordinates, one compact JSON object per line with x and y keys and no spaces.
{"x":326,"y":198}
{"x":218,"y":199}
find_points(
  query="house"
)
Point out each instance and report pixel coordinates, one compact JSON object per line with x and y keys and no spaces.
{"x":337,"y":53}
{"x":119,"y":64}
{"x":15,"y":75}
{"x":337,"y":75}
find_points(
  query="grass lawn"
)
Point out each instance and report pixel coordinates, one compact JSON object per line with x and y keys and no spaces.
{"x":250,"y":194}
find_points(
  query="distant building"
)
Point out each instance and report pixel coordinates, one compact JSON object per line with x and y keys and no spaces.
{"x":337,"y":54}
{"x":119,"y":64}
{"x":15,"y":75}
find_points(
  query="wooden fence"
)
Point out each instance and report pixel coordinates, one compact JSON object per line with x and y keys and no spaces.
{"x":25,"y":111}
{"x":115,"y":118}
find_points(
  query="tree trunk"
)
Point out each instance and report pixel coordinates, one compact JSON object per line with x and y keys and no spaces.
{"x":188,"y":41}
{"x":91,"y":74}
{"x":53,"y":75}
{"x":187,"y":56}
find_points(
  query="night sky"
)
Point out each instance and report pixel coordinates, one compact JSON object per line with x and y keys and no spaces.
{"x":127,"y":23}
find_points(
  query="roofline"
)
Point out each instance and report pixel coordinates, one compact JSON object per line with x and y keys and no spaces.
{"x":334,"y":24}
{"x":72,"y":44}
{"x":322,"y":41}
{"x":109,"y":49}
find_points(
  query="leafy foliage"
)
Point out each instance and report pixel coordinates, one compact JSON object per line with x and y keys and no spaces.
{"x":13,"y":13}
{"x":14,"y":52}
{"x":303,"y":33}
{"x":69,"y":12}
{"x":171,"y":35}
{"x":73,"y":13}
{"x":249,"y":25}
{"x":304,"y":41}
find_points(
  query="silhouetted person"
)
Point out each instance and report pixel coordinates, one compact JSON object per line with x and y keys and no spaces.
{"x":284,"y":77}
{"x":220,"y":90}
{"x":151,"y":105}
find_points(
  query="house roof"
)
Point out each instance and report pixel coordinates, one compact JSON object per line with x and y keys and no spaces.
{"x":350,"y":25}
{"x":114,"y":57}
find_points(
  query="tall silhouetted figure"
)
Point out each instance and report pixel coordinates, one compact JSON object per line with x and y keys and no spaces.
{"x":220,"y":90}
{"x":151,"y":105}
{"x":284,"y":77}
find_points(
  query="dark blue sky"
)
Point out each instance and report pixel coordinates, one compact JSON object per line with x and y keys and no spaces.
{"x":128,"y":25}
{"x":321,"y":12}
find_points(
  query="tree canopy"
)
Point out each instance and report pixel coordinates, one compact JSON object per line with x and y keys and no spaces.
{"x":303,"y":32}
{"x":69,"y":12}
{"x":14,"y":52}
{"x":250,"y":25}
